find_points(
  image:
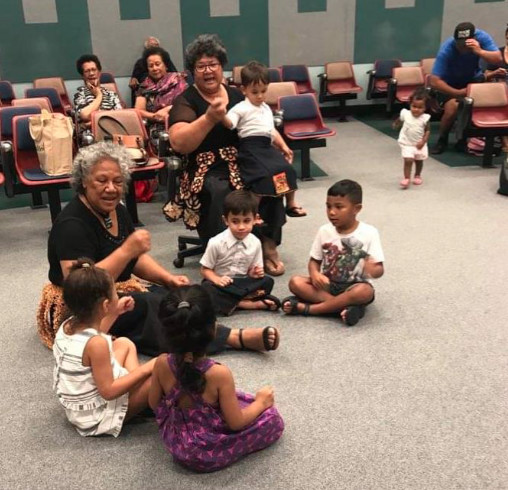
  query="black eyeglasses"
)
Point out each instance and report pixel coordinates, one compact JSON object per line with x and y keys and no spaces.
{"x":212,"y":66}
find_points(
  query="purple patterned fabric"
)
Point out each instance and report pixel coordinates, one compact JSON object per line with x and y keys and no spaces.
{"x":199,"y":438}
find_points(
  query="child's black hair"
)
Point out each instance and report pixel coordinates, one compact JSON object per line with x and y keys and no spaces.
{"x":254,"y":72}
{"x":240,"y":202}
{"x":420,"y":93}
{"x":188,"y":320}
{"x":347,"y":188}
{"x":84,"y":287}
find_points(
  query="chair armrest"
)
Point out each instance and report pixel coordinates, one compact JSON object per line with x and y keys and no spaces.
{"x":323,"y":75}
{"x":371,"y":72}
{"x":278,"y":118}
{"x":87,"y":138}
{"x":390,"y":95}
{"x":370,"y":84}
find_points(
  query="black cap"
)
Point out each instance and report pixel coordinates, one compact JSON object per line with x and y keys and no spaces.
{"x":463,"y":31}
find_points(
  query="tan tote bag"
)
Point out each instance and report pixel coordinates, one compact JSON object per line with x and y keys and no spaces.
{"x":52,"y":133}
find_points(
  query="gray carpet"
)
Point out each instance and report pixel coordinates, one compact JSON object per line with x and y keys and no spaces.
{"x":414,"y":397}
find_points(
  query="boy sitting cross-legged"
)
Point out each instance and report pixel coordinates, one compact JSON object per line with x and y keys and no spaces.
{"x":345,"y":255}
{"x":232,"y":265}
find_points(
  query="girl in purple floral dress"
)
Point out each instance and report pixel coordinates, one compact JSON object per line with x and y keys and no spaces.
{"x":204,"y":423}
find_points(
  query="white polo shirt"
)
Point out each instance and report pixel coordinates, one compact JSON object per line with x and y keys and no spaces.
{"x":227,"y":256}
{"x":251,"y":120}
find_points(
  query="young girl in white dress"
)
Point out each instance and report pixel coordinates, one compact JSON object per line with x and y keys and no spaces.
{"x":413,"y":136}
{"x":98,"y":380}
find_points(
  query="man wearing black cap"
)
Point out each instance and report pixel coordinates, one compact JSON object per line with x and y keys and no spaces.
{"x":457,"y":64}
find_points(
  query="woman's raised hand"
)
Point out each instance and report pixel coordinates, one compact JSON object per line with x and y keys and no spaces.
{"x":138,"y":243}
{"x":216,"y":110}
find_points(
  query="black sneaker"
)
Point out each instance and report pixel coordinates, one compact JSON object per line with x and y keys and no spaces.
{"x":439,"y":147}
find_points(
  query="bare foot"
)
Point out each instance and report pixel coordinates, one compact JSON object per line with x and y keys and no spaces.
{"x":260,"y":304}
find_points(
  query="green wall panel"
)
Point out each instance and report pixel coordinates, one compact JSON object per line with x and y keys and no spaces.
{"x":409,"y":34}
{"x":311,"y":6}
{"x":134,"y":9}
{"x":29,"y":51}
{"x":245,"y":36}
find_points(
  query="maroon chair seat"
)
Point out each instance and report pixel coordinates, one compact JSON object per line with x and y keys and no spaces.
{"x":303,"y":127}
{"x":484,"y":113}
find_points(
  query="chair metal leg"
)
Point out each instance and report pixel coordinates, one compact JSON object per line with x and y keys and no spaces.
{"x":37,"y":200}
{"x":132,"y":207}
{"x":488,"y":152}
{"x":305,"y":157}
{"x":55,"y":205}
{"x":342,"y":110}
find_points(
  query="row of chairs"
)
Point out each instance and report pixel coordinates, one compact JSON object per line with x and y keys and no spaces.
{"x":21,"y":169}
{"x":53,"y":89}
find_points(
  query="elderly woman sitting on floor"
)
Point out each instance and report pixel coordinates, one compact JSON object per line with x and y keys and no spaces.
{"x":96,"y":225}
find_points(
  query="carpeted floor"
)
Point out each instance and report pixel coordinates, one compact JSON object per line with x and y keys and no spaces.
{"x":413,"y":397}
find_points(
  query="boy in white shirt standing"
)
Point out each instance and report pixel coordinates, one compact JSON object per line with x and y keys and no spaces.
{"x":345,"y":255}
{"x":232,"y":265}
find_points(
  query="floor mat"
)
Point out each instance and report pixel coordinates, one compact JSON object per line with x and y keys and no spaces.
{"x":315,"y":171}
{"x":452,"y":158}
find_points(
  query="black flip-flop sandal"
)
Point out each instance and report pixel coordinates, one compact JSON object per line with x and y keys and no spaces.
{"x":354,"y":314}
{"x":266,"y":342}
{"x":293,"y":301}
{"x":292,"y":212}
{"x":275,"y":302}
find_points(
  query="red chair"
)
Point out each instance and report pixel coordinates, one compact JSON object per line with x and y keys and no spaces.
{"x":128,"y":121}
{"x":484,"y":113}
{"x":6,"y":93}
{"x":279,"y":89}
{"x":300,"y":75}
{"x":274,"y":75}
{"x":405,"y":80}
{"x":235,"y":80}
{"x":51,"y":93}
{"x":22,"y":164}
{"x":303,"y":127}
{"x":338,"y":83}
{"x":59,"y":85}
{"x":41,"y":102}
{"x":379,"y":77}
{"x":7,"y":114}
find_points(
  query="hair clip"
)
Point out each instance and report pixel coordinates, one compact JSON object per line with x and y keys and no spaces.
{"x":85,"y":265}
{"x":188,"y":357}
{"x":183,"y":304}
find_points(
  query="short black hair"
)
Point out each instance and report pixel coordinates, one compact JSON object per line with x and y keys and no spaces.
{"x":87,"y":58}
{"x":420,"y":93}
{"x":156,"y":50}
{"x":205,"y":45}
{"x":347,"y":188}
{"x":254,"y":72}
{"x":240,"y":202}
{"x":84,"y":287}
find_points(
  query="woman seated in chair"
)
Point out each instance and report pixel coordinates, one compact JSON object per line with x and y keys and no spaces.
{"x":96,"y":225}
{"x":196,"y":130}
{"x":157,"y":92}
{"x":92,"y":96}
